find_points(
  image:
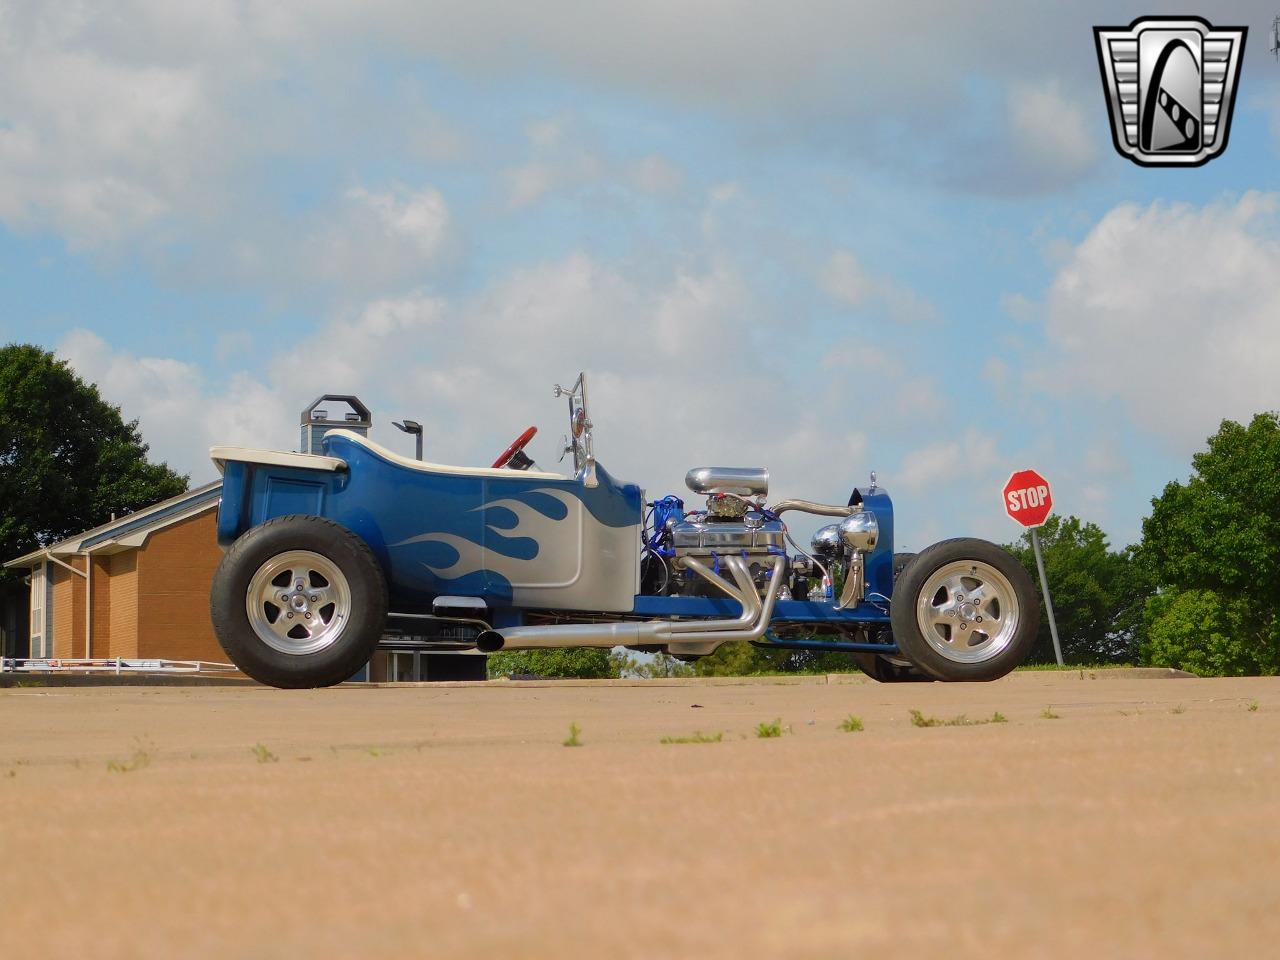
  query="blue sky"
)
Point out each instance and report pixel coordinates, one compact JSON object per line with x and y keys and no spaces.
{"x":825,"y":239}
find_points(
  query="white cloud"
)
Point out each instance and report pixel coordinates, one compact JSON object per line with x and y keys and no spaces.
{"x":421,"y":218}
{"x":848,"y":282}
{"x":477,"y":371}
{"x":1018,"y":308}
{"x":1051,"y":132}
{"x":949,"y":461}
{"x":656,"y":174}
{"x":1170,"y":310}
{"x":373,"y":239}
{"x":564,"y":158}
{"x":529,"y":183}
{"x":180,"y":415}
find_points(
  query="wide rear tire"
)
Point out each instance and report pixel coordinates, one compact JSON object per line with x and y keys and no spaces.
{"x":965,"y":609}
{"x":299,"y":601}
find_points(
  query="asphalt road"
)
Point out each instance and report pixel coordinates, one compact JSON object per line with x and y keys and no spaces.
{"x":1139,"y":818}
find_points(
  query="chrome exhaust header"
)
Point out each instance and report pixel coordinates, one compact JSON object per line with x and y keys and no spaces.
{"x":694,"y":637}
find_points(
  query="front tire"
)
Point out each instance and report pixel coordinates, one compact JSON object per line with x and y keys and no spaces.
{"x":965,"y":609}
{"x":299,"y":601}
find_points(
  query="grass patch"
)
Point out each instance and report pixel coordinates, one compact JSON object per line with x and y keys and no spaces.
{"x":573,"y":739}
{"x":1179,"y":709}
{"x":918,"y":719}
{"x":768,"y":730}
{"x":1048,"y":714}
{"x":263,"y":754}
{"x":851,"y":724}
{"x":141,"y":758}
{"x":698,"y":737}
{"x":1253,"y":706}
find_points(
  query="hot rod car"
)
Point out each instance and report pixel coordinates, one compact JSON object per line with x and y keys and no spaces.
{"x":321,"y":548}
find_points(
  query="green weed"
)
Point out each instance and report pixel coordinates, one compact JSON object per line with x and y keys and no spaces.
{"x":698,"y":737}
{"x":1048,"y":714}
{"x":573,"y":739}
{"x":1253,"y":706}
{"x":768,"y":730}
{"x":1179,"y":709}
{"x":263,"y":754}
{"x":141,"y":758}
{"x":851,"y":724}
{"x":918,"y":719}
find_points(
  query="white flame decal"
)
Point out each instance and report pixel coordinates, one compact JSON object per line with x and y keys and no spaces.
{"x":559,"y":559}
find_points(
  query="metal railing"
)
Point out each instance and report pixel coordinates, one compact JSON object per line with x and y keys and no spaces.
{"x":111,"y":665}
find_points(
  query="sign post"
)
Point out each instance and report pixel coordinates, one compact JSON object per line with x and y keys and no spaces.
{"x":1028,"y":500}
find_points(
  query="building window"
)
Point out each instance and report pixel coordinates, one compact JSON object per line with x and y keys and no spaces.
{"x":41,"y":642}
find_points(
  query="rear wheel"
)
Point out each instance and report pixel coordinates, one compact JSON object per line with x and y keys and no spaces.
{"x":965,"y":609}
{"x":299,"y":601}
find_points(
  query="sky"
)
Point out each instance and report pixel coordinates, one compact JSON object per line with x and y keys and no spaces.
{"x":821,"y":237}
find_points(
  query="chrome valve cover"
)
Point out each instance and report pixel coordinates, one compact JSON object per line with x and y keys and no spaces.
{"x":703,"y":537}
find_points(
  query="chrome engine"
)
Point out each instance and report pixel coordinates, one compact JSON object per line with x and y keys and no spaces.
{"x":686,"y":553}
{"x":733,"y":524}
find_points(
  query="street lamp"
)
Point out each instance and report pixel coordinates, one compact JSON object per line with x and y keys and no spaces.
{"x":414,"y":428}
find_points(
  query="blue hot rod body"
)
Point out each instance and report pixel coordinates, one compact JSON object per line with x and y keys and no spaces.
{"x":539,"y":559}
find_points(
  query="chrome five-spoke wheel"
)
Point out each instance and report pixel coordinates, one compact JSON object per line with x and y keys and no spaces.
{"x":298,"y":602}
{"x":968,"y":611}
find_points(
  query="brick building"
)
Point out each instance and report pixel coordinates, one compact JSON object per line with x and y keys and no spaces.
{"x":135,"y":588}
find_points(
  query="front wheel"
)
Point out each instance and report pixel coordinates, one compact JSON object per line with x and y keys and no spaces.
{"x":299,"y":602}
{"x":965,"y":609}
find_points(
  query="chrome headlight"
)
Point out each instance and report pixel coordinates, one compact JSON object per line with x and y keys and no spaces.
{"x":826,"y":542}
{"x":860,"y":531}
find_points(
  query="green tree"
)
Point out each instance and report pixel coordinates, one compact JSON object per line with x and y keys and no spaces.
{"x":588,"y":663}
{"x":68,"y":461}
{"x":1219,"y":534}
{"x":1202,"y":631}
{"x":740,"y":659}
{"x":1098,"y":594}
{"x":657,"y":666}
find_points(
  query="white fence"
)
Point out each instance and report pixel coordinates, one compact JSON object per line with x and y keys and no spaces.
{"x":114,"y":665}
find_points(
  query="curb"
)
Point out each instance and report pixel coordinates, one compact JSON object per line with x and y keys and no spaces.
{"x":798,"y":680}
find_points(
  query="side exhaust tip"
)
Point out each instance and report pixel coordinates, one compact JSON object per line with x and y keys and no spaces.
{"x":490,"y":641}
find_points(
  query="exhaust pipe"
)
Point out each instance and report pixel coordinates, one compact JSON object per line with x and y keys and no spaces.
{"x":680,"y":636}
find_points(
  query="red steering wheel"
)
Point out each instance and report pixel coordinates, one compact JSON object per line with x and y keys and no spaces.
{"x":520,"y":443}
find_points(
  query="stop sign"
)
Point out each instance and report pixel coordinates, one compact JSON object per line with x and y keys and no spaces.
{"x":1027,"y":498}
